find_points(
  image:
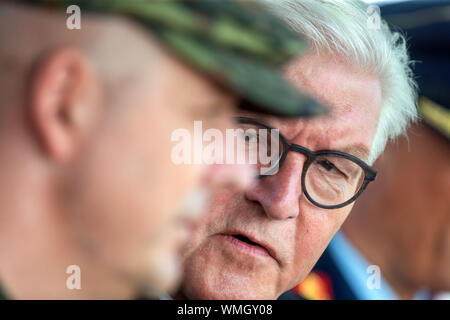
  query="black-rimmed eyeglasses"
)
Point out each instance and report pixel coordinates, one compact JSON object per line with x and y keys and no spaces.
{"x":330,"y":179}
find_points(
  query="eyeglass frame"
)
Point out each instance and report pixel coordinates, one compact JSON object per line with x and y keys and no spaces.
{"x":369,"y":172}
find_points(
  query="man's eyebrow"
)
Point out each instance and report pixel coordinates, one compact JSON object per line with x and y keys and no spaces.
{"x":359,"y":151}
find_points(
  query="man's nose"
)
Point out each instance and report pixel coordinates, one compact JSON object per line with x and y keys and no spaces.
{"x":279,"y":194}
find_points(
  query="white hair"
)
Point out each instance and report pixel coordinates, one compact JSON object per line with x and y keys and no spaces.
{"x":341,"y":27}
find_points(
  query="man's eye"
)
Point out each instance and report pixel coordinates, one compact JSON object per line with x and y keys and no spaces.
{"x":327,"y":165}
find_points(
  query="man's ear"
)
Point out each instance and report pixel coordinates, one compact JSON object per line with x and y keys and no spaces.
{"x":64,"y":102}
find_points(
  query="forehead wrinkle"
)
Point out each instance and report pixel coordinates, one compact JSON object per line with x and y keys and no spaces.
{"x":303,"y":131}
{"x":339,"y":130}
{"x":326,"y":135}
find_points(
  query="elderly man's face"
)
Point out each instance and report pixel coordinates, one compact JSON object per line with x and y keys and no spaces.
{"x":290,"y":232}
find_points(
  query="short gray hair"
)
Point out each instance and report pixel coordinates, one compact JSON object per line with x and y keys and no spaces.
{"x":341,"y":28}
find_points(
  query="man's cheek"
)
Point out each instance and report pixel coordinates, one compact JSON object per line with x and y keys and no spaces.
{"x":325,"y":223}
{"x":313,"y":234}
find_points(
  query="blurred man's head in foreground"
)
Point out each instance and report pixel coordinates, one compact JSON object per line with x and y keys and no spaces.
{"x":85,"y":152}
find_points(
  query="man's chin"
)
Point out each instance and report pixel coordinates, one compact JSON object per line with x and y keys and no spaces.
{"x":232,"y":291}
{"x":219,"y":270}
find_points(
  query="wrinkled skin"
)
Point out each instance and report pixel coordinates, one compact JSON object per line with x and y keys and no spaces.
{"x":273,"y":211}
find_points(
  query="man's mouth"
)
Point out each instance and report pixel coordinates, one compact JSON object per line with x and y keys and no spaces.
{"x":246,"y":240}
{"x":248,"y":244}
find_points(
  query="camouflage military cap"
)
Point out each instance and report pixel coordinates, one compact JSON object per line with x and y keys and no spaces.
{"x":235,"y":42}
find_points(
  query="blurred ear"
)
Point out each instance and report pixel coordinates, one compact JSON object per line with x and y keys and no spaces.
{"x":64,"y":103}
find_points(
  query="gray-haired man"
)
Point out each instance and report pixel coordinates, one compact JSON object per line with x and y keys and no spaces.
{"x":258,"y":243}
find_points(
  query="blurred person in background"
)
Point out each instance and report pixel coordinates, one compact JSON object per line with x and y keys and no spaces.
{"x":402,"y":224}
{"x":86,"y":118}
{"x":257,"y":243}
